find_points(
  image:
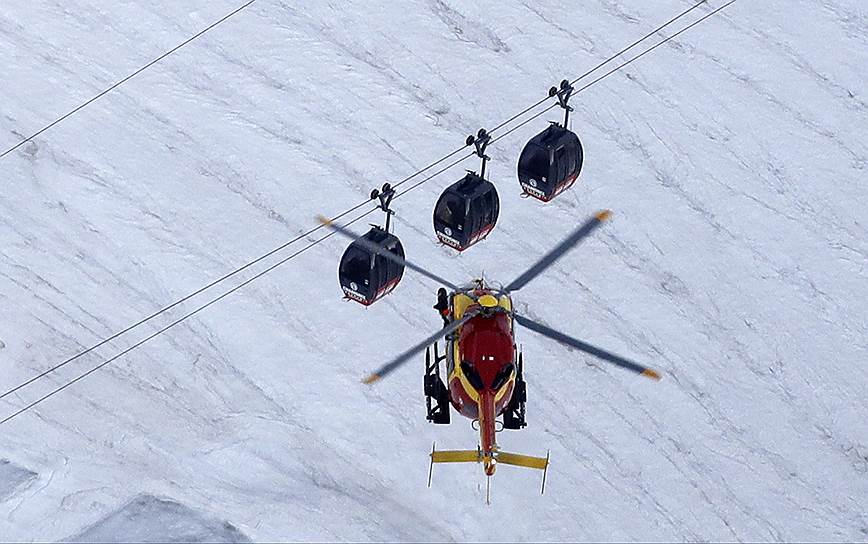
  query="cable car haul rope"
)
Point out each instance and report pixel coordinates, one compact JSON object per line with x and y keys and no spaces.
{"x":465,"y":213}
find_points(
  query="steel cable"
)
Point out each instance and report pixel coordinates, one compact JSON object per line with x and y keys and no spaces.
{"x":337,"y":217}
{"x":176,"y":322}
{"x":129,"y":77}
{"x":318,"y":227}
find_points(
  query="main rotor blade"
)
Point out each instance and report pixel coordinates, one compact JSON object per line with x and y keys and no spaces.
{"x":386,"y":254}
{"x":404,"y":357}
{"x":567,"y":244}
{"x":558,"y":336}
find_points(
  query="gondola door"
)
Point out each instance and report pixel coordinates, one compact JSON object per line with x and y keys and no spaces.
{"x":388,"y":272}
{"x":487,"y":209}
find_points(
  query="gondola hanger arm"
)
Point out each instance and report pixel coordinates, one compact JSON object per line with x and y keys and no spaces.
{"x":385,"y":196}
{"x":480,"y":141}
{"x":563,"y":94}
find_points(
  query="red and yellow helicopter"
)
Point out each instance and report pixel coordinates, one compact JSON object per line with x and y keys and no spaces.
{"x":484,"y":368}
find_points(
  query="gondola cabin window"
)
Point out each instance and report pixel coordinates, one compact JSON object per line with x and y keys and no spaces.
{"x":451,"y":211}
{"x":534,"y":163}
{"x":560,"y":163}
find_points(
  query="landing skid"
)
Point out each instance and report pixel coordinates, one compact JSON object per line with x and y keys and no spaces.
{"x":436,"y":392}
{"x":514,"y":413}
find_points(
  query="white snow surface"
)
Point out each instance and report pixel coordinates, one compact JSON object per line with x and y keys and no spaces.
{"x":152,"y":519}
{"x":734,"y":158}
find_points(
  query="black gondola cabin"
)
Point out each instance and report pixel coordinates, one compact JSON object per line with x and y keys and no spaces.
{"x":466,"y":212}
{"x":367,"y":277}
{"x":550,"y":163}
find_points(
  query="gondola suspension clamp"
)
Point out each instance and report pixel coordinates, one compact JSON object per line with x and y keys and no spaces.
{"x":385,"y":196}
{"x":481,"y":141}
{"x":563,"y":94}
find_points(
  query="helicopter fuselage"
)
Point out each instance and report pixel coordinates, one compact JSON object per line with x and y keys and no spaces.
{"x":481,"y":363}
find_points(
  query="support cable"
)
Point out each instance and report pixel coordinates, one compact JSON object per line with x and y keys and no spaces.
{"x":605,"y":62}
{"x":337,"y":217}
{"x":176,"y":322}
{"x":129,"y":77}
{"x":315,"y":229}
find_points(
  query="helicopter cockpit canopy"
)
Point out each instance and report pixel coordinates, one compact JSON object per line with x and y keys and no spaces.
{"x":502,"y":376}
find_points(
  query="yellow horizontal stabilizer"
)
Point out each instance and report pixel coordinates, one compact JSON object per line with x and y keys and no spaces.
{"x":455,"y":456}
{"x":518,"y":460}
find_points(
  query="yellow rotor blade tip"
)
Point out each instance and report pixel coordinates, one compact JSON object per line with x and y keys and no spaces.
{"x":604,"y":215}
{"x":371,"y":379}
{"x":324,"y":220}
{"x":648,"y":373}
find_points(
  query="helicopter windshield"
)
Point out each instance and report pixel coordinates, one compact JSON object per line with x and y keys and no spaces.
{"x":502,"y":376}
{"x":472,"y":375}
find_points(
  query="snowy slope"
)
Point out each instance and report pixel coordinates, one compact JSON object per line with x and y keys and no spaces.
{"x":735,"y":162}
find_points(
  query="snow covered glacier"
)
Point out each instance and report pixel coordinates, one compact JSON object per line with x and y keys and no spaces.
{"x":734,"y":158}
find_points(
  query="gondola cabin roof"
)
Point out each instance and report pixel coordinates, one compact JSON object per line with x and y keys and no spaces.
{"x":553,"y":137}
{"x":380,"y":237}
{"x":470,"y":186}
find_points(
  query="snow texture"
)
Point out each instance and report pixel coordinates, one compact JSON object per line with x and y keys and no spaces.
{"x":12,"y":479}
{"x":151,"y":519}
{"x":734,"y":158}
